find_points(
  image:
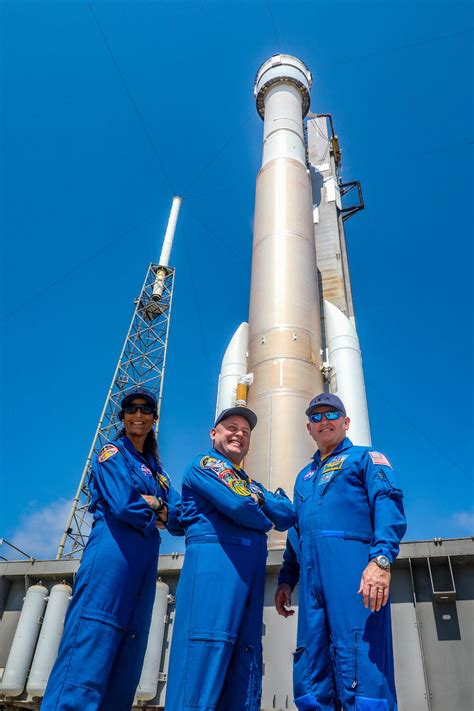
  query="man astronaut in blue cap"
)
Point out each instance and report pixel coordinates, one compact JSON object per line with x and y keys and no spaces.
{"x":216,"y":653}
{"x":350,"y":521}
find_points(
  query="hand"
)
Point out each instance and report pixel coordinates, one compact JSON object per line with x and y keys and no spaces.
{"x":374,"y":586}
{"x":161,"y":516}
{"x":283,"y":600}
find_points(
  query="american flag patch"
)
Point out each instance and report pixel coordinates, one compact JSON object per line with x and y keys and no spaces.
{"x":379,"y":458}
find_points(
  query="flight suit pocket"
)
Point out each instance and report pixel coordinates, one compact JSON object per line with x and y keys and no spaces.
{"x":364,"y":703}
{"x":389,"y":482}
{"x":208,"y":657}
{"x":92,"y":656}
{"x":305,"y":699}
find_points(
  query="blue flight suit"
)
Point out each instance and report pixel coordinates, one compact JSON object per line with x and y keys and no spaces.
{"x":349,"y":509}
{"x":107,"y":623}
{"x":216,"y":653}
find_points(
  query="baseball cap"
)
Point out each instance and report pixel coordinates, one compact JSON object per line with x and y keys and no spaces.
{"x":249,"y":415}
{"x":327,"y":399}
{"x":139,"y":392}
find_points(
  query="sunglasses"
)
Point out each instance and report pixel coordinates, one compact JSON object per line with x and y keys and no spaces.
{"x":318,"y":416}
{"x":144,"y":409}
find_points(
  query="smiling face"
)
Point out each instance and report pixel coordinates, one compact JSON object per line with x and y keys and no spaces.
{"x":328,"y":433}
{"x":137,"y":424}
{"x":231,"y":437}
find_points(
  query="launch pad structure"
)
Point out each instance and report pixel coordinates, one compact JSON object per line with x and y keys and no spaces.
{"x":301,"y":338}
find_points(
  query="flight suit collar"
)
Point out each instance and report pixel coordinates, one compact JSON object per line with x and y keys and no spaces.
{"x":148,"y":459}
{"x":218,"y":455}
{"x":341,"y":447}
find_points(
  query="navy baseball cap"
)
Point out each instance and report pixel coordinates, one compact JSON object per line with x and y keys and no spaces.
{"x":249,"y":415}
{"x":327,"y":399}
{"x":147,"y":395}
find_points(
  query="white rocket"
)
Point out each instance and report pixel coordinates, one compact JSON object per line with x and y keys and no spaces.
{"x":301,"y":337}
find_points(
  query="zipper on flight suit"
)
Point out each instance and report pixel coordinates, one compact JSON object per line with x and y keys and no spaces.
{"x":355,"y":681}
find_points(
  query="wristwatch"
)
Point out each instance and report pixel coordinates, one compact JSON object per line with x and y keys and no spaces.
{"x":160,"y":504}
{"x":382,"y":561}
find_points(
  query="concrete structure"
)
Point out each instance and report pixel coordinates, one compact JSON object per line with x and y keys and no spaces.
{"x":432,"y":615}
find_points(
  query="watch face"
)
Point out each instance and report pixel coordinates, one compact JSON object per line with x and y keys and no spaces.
{"x":383,"y":561}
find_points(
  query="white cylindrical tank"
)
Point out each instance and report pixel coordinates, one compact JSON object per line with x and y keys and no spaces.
{"x":148,"y":684}
{"x":234,"y":367}
{"x":347,"y":376}
{"x":49,"y":639}
{"x":284,"y":321}
{"x":24,"y":641}
{"x":170,"y":230}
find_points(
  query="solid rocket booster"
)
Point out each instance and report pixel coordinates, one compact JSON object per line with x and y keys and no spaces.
{"x":284,"y":324}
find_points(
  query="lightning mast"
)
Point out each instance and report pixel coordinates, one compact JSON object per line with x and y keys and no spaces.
{"x":141,"y":362}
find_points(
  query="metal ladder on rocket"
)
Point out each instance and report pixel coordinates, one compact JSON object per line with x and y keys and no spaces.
{"x":301,"y":336}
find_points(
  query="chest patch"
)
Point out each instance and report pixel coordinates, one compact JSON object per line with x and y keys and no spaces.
{"x":107,"y":451}
{"x":309,"y":474}
{"x":163,"y":481}
{"x":146,"y":470}
{"x":334,"y":464}
{"x":379,"y":458}
{"x":325,"y":478}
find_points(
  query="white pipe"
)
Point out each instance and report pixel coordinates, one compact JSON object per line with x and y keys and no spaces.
{"x":170,"y":230}
{"x":148,"y":684}
{"x":347,"y":376}
{"x":49,"y":639}
{"x":234,"y":367}
{"x":162,"y":272}
{"x":24,"y":641}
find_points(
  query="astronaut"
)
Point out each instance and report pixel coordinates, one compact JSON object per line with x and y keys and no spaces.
{"x":106,"y":628}
{"x":350,"y":521}
{"x":216,"y":652}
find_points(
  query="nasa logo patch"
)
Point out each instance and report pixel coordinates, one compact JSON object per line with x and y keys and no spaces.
{"x":379,"y":458}
{"x":107,"y":451}
{"x":146,"y":470}
{"x":308,"y":475}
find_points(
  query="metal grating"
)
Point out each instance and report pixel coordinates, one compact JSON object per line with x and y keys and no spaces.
{"x":142,"y":362}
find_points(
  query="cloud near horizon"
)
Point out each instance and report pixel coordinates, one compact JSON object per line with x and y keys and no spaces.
{"x":465,"y":519}
{"x":39,"y":531}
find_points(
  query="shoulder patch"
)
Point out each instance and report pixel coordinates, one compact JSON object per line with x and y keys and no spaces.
{"x":379,"y":458}
{"x":107,"y":451}
{"x":215,"y":465}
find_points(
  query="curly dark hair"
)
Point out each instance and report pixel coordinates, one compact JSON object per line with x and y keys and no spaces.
{"x":150,"y":445}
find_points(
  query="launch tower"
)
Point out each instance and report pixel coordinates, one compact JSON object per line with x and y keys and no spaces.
{"x":141,"y":362}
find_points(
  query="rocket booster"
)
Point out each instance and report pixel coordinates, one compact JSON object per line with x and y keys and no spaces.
{"x":301,"y":337}
{"x":284,"y":322}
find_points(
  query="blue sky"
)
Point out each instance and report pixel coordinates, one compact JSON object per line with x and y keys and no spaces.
{"x":111,"y":107}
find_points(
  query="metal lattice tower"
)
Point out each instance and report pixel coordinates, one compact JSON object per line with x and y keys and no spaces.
{"x":142,"y":362}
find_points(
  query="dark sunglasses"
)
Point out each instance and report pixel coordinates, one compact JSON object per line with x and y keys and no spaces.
{"x":318,"y":416}
{"x":144,"y":409}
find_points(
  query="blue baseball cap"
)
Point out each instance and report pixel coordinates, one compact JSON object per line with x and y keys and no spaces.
{"x":249,"y":415}
{"x":147,"y":395}
{"x":328,"y":400}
